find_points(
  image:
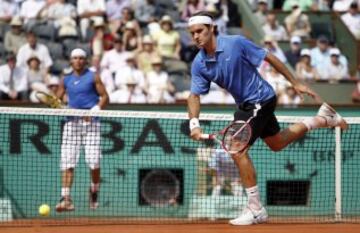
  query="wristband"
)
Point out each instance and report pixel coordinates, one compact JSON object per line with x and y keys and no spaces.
{"x":95,"y":108}
{"x":194,"y":123}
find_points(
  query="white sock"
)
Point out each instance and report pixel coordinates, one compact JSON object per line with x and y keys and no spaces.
{"x":95,"y":187}
{"x":65,"y":191}
{"x":253,"y":194}
{"x":313,"y":123}
{"x":216,"y":190}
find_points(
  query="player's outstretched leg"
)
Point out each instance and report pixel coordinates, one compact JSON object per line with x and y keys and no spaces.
{"x":94,"y":188}
{"x":65,"y":203}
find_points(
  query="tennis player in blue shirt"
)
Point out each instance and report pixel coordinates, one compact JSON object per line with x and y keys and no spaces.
{"x":232,"y":62}
{"x":84,"y":90}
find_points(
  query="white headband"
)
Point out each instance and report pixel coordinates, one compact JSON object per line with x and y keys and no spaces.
{"x":78,"y":53}
{"x":200,"y":19}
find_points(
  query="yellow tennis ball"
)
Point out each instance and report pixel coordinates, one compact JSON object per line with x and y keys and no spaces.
{"x":44,"y":210}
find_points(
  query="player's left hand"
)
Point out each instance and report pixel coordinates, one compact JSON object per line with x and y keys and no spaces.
{"x":302,"y":89}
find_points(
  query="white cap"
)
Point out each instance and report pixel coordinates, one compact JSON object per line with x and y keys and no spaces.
{"x":262,"y":1}
{"x":305,"y":52}
{"x":78,"y":53}
{"x":334,"y":52}
{"x":147,"y":40}
{"x":295,"y":39}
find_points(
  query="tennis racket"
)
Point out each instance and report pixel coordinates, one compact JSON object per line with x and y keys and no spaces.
{"x":49,"y":100}
{"x":234,"y":138}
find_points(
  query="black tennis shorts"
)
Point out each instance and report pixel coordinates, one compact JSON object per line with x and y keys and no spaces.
{"x":264,"y":124}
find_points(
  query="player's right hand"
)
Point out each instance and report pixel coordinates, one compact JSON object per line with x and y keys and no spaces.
{"x":195,"y":134}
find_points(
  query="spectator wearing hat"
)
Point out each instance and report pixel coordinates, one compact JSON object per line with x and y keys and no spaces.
{"x":261,"y":11}
{"x":147,"y":52}
{"x":289,"y":97}
{"x":129,"y":94}
{"x":14,"y":38}
{"x":130,"y":70}
{"x":8,"y":9}
{"x":167,"y":39}
{"x":33,"y":72}
{"x":276,"y":80}
{"x":221,"y":24}
{"x":89,"y":10}
{"x":304,"y":69}
{"x":293,"y":54}
{"x":102,"y":40}
{"x":274,"y":29}
{"x":272,"y":46}
{"x":127,"y":15}
{"x":159,"y":88}
{"x":334,"y":70}
{"x":32,"y":47}
{"x":191,"y":7}
{"x":13,"y":82}
{"x":352,"y":19}
{"x":131,"y":38}
{"x":114,"y":9}
{"x":115,"y":58}
{"x":297,"y":23}
{"x":305,"y":5}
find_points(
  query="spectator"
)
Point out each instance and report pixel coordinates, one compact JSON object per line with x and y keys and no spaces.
{"x":145,"y":55}
{"x":114,"y":10}
{"x":159,"y":87}
{"x":8,"y":9}
{"x":67,"y":28}
{"x":167,"y":39}
{"x":13,"y":82}
{"x":131,"y":38}
{"x":293,"y":54}
{"x":304,"y":69}
{"x":14,"y":38}
{"x":324,"y":5}
{"x":32,"y":47}
{"x":102,"y":40}
{"x":272,"y":46}
{"x":58,"y":10}
{"x":115,"y":59}
{"x":335,"y":70}
{"x":129,"y":94}
{"x":30,"y":10}
{"x":297,"y":23}
{"x":130,"y":70}
{"x":352,"y":19}
{"x":89,"y":10}
{"x":217,"y":95}
{"x":305,"y":5}
{"x":261,"y":12}
{"x":127,"y":15}
{"x":191,"y":7}
{"x":273,"y":29}
{"x":36,"y":77}
{"x":105,"y":74}
{"x":146,"y":11}
{"x":218,"y":19}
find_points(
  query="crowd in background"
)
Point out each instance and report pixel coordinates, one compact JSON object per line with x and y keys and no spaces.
{"x":142,"y":50}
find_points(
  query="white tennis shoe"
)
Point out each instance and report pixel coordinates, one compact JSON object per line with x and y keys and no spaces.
{"x":332,"y":118}
{"x":249,"y":217}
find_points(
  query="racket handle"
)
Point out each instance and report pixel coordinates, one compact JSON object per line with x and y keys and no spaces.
{"x":206,"y":136}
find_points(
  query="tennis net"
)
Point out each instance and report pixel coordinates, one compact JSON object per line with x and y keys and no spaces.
{"x":152,"y":171}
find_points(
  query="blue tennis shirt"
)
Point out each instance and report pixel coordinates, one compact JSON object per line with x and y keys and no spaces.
{"x":81,"y":90}
{"x":234,"y":68}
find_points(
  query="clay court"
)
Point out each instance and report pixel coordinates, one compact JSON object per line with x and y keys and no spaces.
{"x":193,"y":228}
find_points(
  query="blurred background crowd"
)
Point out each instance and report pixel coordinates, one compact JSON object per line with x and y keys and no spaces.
{"x":143,"y":52}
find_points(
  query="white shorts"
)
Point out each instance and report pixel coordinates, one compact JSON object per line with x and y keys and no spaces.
{"x":76,"y":134}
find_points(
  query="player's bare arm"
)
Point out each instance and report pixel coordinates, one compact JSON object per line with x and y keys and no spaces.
{"x":298,"y":86}
{"x":104,"y":98}
{"x":61,"y":90}
{"x":194,"y":112}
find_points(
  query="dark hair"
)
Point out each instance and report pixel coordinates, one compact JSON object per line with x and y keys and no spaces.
{"x":211,"y":15}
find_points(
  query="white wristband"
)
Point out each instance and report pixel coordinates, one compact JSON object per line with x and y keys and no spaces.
{"x":194,"y":123}
{"x":95,"y":108}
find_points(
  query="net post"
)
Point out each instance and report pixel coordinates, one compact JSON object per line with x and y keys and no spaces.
{"x":338,"y":174}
